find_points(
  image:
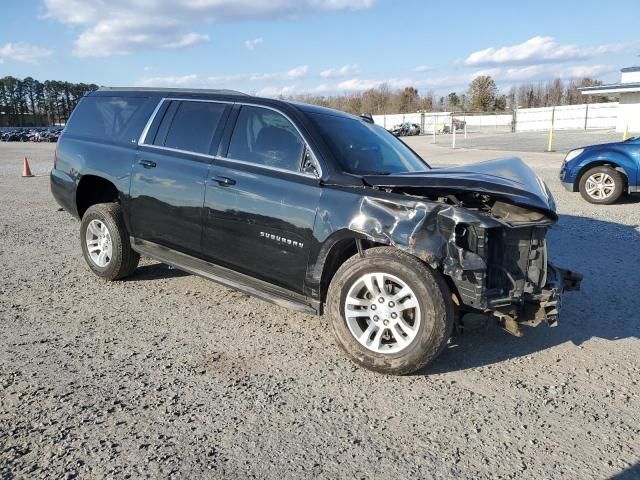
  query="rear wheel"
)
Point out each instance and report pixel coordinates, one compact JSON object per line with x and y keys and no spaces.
{"x":105,"y":242}
{"x":389,"y":311}
{"x":601,"y":185}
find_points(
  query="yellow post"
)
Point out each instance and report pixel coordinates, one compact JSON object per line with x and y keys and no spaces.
{"x":550,"y":144}
{"x":626,"y":132}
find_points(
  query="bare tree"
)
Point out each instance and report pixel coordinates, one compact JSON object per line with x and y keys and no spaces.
{"x":408,"y":100}
{"x":556,"y":92}
{"x":483,"y":93}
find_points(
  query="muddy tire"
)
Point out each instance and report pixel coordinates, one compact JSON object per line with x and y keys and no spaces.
{"x":105,"y":242}
{"x":601,"y":185}
{"x":389,"y":311}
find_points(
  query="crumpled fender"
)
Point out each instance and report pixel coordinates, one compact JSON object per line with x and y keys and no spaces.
{"x":426,"y":230}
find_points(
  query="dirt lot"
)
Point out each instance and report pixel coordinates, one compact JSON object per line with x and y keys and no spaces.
{"x":167,"y":375}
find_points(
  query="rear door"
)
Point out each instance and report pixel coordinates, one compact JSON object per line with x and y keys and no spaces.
{"x":260,"y":205}
{"x":169,"y":174}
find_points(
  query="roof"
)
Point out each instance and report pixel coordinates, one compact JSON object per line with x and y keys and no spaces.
{"x":224,"y":94}
{"x":630,"y":69}
{"x":612,"y":88}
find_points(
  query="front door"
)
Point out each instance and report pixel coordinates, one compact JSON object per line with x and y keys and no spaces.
{"x":169,"y":175}
{"x":260,"y":206}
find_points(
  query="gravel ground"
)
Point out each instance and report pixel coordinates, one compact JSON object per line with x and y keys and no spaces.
{"x":167,"y":375}
{"x":563,"y":140}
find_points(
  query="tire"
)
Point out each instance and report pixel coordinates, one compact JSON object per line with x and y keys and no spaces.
{"x":430,"y":324}
{"x":613,"y":185}
{"x":120,"y":261}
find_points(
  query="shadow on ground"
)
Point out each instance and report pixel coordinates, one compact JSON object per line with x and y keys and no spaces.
{"x":632,"y":473}
{"x":606,"y":307}
{"x":155,"y":271}
{"x":605,"y":253}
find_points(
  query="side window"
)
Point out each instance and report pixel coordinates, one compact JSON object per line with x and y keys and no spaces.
{"x":266,"y":137}
{"x":165,"y":123}
{"x":192,"y":127}
{"x":104,"y":117}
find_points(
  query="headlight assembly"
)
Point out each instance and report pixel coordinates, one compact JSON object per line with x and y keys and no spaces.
{"x":573,"y":154}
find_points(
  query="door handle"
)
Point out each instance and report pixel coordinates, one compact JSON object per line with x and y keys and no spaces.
{"x":224,"y":181}
{"x":147,"y":163}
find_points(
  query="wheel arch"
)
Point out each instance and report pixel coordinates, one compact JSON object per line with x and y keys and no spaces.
{"x":340,"y":247}
{"x":93,"y":189}
{"x":611,"y":159}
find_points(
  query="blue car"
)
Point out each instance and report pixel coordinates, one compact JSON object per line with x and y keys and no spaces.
{"x":602,"y":173}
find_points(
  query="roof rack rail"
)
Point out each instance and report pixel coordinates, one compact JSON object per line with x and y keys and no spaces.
{"x":222,"y":91}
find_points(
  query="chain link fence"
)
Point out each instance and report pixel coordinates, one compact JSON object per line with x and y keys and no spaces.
{"x":558,"y":128}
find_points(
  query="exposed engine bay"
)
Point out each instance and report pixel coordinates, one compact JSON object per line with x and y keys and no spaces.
{"x":490,"y":245}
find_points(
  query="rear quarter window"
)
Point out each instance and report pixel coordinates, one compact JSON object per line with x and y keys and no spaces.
{"x":116,"y":119}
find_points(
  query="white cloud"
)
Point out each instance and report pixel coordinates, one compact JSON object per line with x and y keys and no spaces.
{"x":293,"y":74}
{"x":191,"y":80}
{"x":422,"y":68}
{"x":537,"y":50}
{"x":23,"y":52}
{"x":276,"y":91}
{"x":357,"y":84}
{"x":342,"y":71}
{"x":251,"y":44}
{"x":111,"y":27}
{"x":215,"y":79}
{"x":194,"y":80}
{"x":121,"y":35}
{"x":319,"y":89}
{"x":297,"y":72}
{"x":581,"y":71}
{"x":186,"y":40}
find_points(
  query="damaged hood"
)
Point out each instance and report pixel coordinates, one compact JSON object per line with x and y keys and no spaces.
{"x":509,"y":179}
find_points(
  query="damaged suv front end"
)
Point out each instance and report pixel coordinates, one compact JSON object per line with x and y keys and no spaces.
{"x":484,"y":227}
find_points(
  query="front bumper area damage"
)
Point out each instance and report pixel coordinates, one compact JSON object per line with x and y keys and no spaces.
{"x":544,"y":307}
{"x":495,"y":260}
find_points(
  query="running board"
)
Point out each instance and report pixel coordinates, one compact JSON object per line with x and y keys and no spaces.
{"x":224,"y":276}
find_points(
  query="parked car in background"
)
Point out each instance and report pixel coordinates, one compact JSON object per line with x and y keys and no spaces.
{"x":31,"y":134}
{"x":312,"y":209}
{"x":603,"y":173}
{"x":405,"y":129}
{"x":458,"y":124}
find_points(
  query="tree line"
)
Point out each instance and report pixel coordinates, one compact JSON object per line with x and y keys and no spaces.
{"x":28,"y":102}
{"x":481,"y":96}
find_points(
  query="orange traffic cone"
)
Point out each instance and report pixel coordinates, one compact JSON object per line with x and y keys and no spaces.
{"x":26,"y":171}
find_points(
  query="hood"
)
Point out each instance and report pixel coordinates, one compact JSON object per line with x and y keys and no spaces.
{"x":509,"y":179}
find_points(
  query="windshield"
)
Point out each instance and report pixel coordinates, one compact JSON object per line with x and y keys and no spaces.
{"x":364,"y":148}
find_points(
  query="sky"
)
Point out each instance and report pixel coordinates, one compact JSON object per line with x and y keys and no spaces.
{"x":288,"y":47}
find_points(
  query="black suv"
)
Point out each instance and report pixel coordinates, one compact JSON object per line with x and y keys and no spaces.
{"x":312,"y":209}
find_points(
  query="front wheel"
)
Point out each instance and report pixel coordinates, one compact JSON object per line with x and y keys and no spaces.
{"x":389,"y":311}
{"x":601,"y":185}
{"x":105,"y":242}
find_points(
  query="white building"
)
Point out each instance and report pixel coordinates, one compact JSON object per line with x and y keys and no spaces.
{"x":628,"y":93}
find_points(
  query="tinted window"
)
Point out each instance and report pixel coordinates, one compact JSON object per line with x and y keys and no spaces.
{"x":193,"y":126}
{"x":165,"y":123}
{"x":365,"y":148}
{"x":104,"y":117}
{"x":266,"y":137}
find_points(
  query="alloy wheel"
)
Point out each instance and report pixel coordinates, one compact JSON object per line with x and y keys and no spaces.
{"x":99,"y":243}
{"x":600,"y":186}
{"x":382,"y":312}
